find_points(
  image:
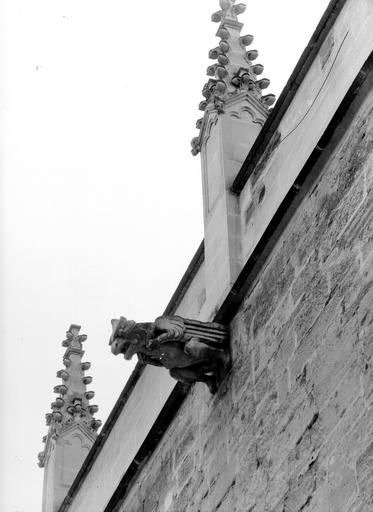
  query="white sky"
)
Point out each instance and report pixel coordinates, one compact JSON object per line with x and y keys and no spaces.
{"x":100,"y":197}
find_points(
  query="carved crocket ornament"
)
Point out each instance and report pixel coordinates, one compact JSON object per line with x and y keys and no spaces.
{"x":192,"y":351}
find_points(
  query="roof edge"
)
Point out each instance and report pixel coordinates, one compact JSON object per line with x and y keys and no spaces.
{"x":186,"y":280}
{"x":289,"y":91}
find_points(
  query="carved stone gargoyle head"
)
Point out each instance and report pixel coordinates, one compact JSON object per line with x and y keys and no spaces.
{"x":191,"y":350}
{"x":128,"y":337}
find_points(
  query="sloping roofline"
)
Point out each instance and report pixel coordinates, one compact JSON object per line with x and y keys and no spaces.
{"x":302,"y":67}
{"x":286,"y":97}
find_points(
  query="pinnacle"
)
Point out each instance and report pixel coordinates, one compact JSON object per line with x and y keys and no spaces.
{"x":228,"y":11}
{"x":234,"y":74}
{"x":71,"y":406}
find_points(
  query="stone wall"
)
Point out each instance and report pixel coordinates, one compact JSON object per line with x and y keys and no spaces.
{"x":291,"y":428}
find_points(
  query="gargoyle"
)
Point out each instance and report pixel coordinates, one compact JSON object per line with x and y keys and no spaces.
{"x":191,"y":350}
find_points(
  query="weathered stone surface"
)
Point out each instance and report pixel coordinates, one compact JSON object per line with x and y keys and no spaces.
{"x":364,"y":473}
{"x":291,"y":428}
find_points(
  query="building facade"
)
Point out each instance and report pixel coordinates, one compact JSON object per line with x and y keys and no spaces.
{"x":286,"y":266}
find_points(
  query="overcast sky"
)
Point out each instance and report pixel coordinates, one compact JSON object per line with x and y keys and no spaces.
{"x":100,"y":197}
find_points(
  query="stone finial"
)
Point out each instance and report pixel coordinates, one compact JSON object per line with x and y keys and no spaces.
{"x":229,"y":10}
{"x":192,"y":351}
{"x":72,"y":405}
{"x":234,"y":75}
{"x":73,"y":339}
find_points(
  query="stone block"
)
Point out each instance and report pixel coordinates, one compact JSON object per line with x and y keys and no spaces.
{"x":311,"y":308}
{"x":279,"y":478}
{"x":342,"y":488}
{"x":274,"y":340}
{"x":343,"y":427}
{"x":335,"y":357}
{"x":273,"y":287}
{"x":283,"y":353}
{"x":290,"y":422}
{"x":185,"y":444}
{"x":364,"y":475}
{"x":282,"y":385}
{"x":319,"y":500}
{"x":308,"y":278}
{"x":216,"y":463}
{"x":228,"y":502}
{"x":221,"y":486}
{"x":338,"y":222}
{"x":320,"y":327}
{"x":242,"y":377}
{"x":185,"y":470}
{"x":301,"y":490}
{"x":358,"y":506}
{"x":340,"y":399}
{"x":305,"y":452}
{"x":183,"y":498}
{"x":264,"y":384}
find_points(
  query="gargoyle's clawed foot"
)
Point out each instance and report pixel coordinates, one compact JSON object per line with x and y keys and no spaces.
{"x":212,"y":384}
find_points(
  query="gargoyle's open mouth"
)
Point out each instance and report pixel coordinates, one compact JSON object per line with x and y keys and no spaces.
{"x":120,"y":346}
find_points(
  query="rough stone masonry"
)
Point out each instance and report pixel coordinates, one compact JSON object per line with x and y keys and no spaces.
{"x":291,"y":428}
